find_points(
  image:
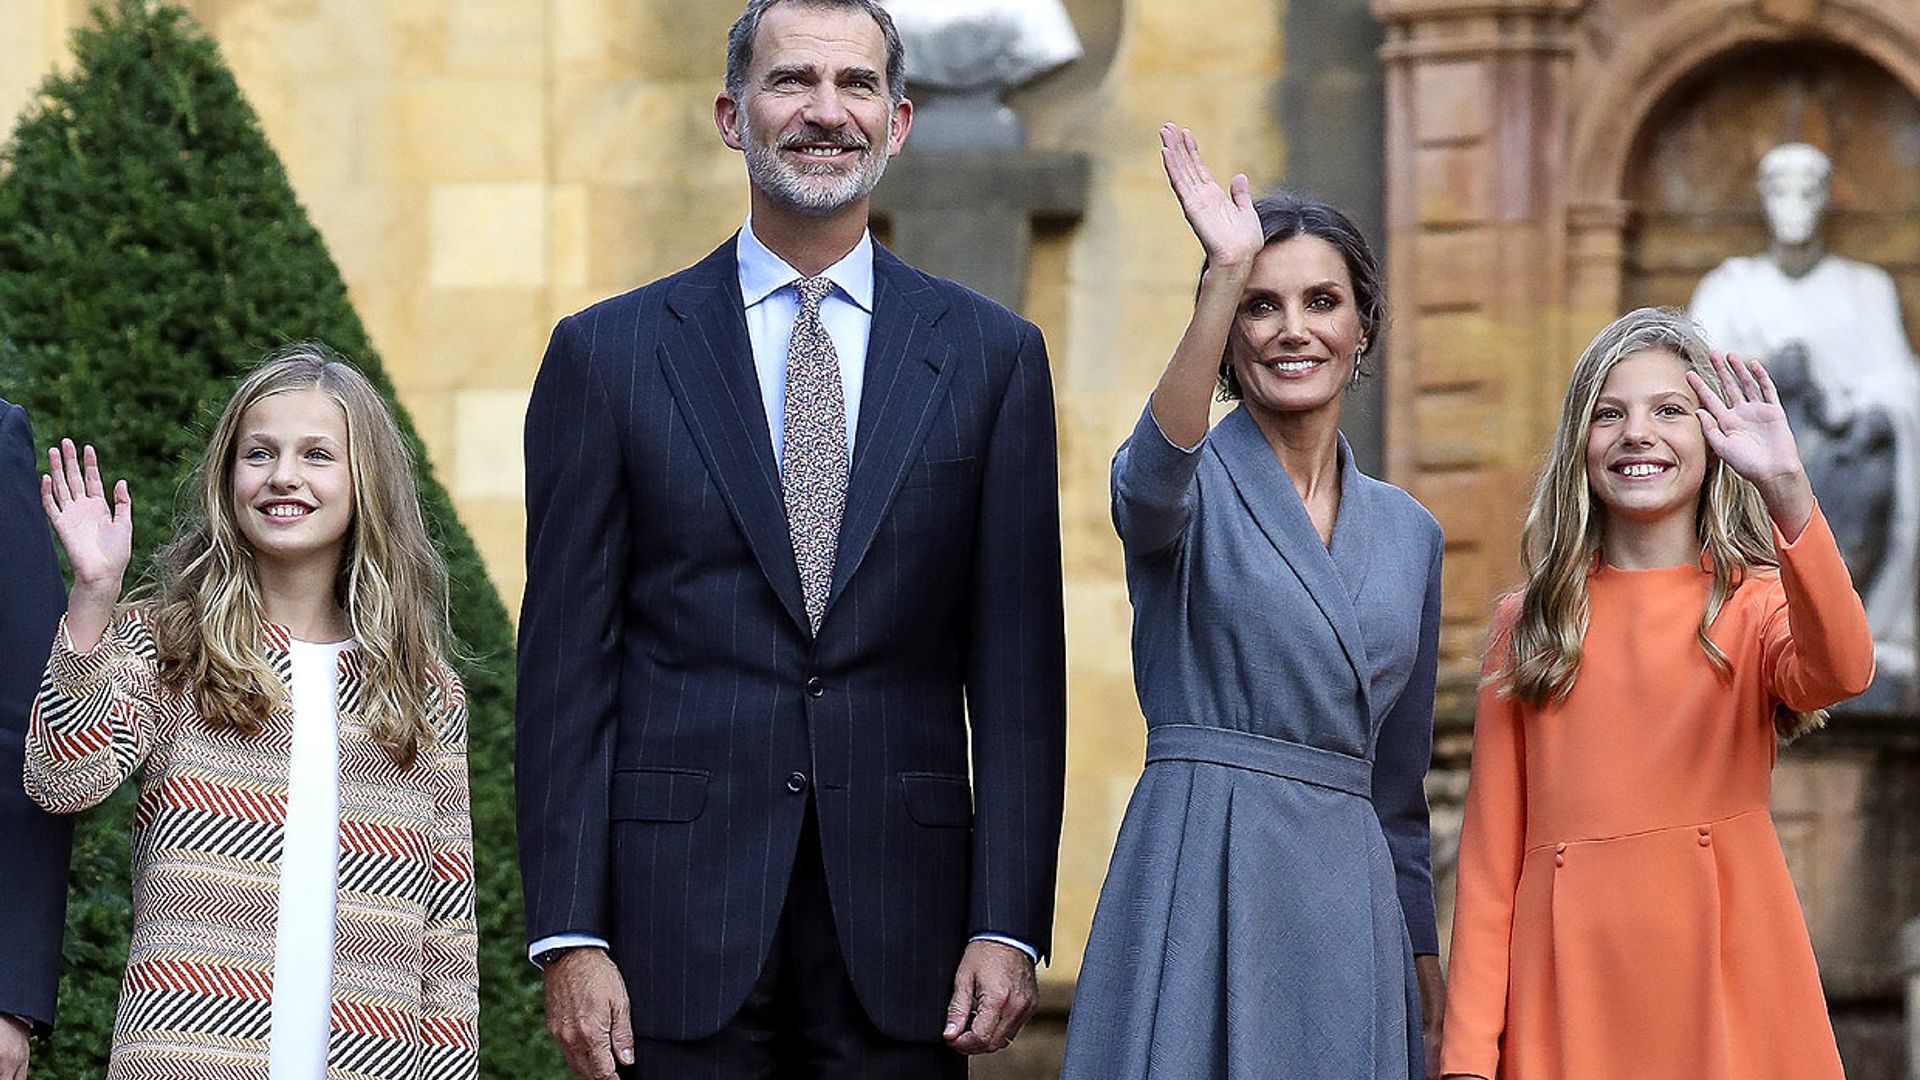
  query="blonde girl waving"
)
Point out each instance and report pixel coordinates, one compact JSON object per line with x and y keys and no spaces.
{"x":1624,"y":907}
{"x":303,"y":857}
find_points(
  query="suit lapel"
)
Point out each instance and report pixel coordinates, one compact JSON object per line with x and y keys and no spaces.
{"x":708,"y":360}
{"x":1276,"y":508}
{"x":906,"y":370}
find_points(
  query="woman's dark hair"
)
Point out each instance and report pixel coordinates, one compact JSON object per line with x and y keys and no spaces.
{"x":1283,"y":217}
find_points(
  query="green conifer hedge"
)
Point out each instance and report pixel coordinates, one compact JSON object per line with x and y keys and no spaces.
{"x":151,"y":250}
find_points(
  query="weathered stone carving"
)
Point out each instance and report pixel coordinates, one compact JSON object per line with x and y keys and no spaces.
{"x":983,"y":44}
{"x":963,"y":201}
{"x":1910,"y":964}
{"x":969,"y":52}
{"x":1829,"y":330}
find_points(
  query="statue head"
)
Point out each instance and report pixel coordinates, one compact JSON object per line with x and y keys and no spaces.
{"x":968,"y":53}
{"x":984,"y":44}
{"x":1794,"y":188}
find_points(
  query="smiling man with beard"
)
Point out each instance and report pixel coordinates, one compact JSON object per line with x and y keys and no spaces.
{"x":791,"y":720}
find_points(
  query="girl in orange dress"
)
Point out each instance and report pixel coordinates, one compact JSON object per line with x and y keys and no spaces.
{"x":1624,"y":909}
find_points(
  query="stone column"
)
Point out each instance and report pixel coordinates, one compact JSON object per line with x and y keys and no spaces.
{"x":962,"y":201}
{"x":1911,"y":967}
{"x":1333,"y":112}
{"x":969,"y":214}
{"x":1910,"y":963}
{"x":1476,"y":119}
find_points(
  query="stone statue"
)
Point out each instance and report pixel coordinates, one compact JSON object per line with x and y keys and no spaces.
{"x":1854,"y":456}
{"x":969,"y":52}
{"x":974,"y":44}
{"x":1830,"y":332}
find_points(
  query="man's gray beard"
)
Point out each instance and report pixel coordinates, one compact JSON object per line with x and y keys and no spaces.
{"x":792,"y":189}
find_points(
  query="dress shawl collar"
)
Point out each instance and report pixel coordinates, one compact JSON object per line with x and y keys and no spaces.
{"x":1333,"y":577}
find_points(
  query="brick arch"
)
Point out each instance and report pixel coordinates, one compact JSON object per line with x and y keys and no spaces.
{"x":1512,"y":130}
{"x":1615,"y":105}
{"x":1511,"y":127}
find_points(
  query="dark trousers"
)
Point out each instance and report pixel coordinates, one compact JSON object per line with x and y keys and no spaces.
{"x":801,"y":1020}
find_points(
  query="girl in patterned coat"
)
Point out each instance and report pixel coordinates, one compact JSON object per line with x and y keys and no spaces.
{"x":302,"y":853}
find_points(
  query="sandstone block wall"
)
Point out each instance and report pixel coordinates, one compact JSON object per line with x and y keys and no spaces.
{"x":481,"y":168}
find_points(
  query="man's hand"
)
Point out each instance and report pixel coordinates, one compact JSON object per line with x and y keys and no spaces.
{"x":14,"y":1048}
{"x":587,"y":1013}
{"x":993,"y":995}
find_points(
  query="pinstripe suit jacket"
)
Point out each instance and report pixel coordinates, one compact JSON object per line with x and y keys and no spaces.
{"x":675,"y":713}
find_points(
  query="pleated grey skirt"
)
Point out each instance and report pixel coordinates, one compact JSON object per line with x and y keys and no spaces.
{"x":1249,"y":926}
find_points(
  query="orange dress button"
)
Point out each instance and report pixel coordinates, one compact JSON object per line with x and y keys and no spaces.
{"x":1559,"y":859}
{"x":1560,"y":849}
{"x":1706,"y":840}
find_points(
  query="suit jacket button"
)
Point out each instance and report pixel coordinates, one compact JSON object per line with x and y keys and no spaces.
{"x":797,"y":782}
{"x":815,"y":687}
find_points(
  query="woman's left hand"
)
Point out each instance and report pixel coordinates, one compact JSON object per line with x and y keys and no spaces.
{"x":1748,"y":430}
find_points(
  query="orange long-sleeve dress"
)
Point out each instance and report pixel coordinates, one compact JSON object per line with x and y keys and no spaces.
{"x":1624,"y":909}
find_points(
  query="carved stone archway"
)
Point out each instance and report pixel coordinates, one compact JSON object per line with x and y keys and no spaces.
{"x":1511,"y":129}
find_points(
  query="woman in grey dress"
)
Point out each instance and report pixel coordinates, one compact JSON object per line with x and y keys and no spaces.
{"x":1269,"y":909}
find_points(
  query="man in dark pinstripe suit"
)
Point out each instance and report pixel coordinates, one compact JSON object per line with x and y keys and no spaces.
{"x":793,"y":578}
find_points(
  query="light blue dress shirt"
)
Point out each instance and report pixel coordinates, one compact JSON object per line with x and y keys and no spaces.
{"x":772,"y":303}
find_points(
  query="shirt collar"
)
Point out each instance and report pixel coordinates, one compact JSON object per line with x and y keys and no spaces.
{"x":762,"y":273}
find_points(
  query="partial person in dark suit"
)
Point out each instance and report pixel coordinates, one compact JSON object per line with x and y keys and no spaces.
{"x":33,"y":873}
{"x":793,"y":576}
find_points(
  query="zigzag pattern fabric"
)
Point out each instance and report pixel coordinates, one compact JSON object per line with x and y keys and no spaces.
{"x":196,"y":1001}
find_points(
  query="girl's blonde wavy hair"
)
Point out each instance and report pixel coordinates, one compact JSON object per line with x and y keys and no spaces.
{"x":1563,"y":531}
{"x":205,"y":607}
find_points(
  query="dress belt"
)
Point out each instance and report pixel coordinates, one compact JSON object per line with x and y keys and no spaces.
{"x":1261,"y":753}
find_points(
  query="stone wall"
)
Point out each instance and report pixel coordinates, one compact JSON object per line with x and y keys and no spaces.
{"x":482,"y":167}
{"x":1553,"y":161}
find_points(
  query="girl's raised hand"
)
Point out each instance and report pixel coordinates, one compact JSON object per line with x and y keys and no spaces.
{"x":1748,"y":430}
{"x":96,"y":534}
{"x":1224,"y":220}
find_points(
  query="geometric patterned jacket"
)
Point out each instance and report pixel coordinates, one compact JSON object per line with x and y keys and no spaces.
{"x":195,"y":1003}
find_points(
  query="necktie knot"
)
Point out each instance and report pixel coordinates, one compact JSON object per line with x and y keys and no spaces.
{"x":812,"y":290}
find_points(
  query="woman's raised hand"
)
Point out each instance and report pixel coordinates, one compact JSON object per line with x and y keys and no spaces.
{"x":1747,"y":429}
{"x":1224,"y":220}
{"x":96,"y":534}
{"x":1229,"y":230}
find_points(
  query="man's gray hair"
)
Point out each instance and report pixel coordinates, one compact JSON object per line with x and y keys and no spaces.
{"x":747,"y":27}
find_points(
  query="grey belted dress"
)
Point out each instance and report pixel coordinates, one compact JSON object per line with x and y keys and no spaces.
{"x":1271,"y":880}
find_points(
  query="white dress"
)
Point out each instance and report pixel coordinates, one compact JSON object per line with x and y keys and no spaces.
{"x":303,"y":937}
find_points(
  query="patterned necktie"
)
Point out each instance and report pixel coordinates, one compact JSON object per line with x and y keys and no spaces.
{"x":813,"y":478}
